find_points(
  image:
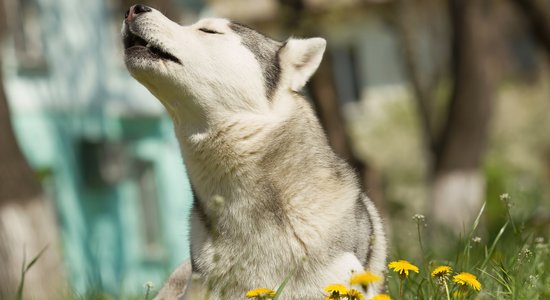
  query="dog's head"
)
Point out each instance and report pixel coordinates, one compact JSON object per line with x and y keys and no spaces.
{"x":214,"y":65}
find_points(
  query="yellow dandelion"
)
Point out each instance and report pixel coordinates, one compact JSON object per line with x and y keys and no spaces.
{"x":465,"y":279}
{"x":441,"y":271}
{"x":381,"y":297}
{"x":336,"y":291}
{"x":354,"y":295}
{"x":364,"y":278}
{"x":441,"y":275}
{"x":260,"y":293}
{"x":402,"y":267}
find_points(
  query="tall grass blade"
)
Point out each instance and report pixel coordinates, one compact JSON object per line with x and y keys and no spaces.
{"x":476,"y":222}
{"x":25,"y":268}
{"x":466,"y":252}
{"x":494,"y":245}
{"x":35,"y":259}
{"x":285,"y":281}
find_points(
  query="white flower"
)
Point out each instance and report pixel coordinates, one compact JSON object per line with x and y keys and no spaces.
{"x":148,"y":285}
{"x":419,"y":218}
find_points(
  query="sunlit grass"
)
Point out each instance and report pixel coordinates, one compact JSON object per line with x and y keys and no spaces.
{"x":513,"y":264}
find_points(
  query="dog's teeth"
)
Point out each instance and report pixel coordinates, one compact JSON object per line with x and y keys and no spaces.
{"x":148,"y":45}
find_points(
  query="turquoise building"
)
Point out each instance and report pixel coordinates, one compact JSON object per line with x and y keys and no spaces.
{"x":101,"y":143}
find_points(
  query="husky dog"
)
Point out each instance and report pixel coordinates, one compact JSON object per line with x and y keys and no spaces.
{"x":271,"y":199}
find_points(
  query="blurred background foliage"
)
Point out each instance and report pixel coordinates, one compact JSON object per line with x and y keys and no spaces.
{"x":438,"y":105}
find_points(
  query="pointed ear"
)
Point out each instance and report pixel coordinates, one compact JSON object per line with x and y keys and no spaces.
{"x":299,"y":59}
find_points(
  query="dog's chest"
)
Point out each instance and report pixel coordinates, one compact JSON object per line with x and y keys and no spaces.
{"x":244,"y":259}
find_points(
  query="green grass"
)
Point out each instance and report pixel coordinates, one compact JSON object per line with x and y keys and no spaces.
{"x":514,"y":263}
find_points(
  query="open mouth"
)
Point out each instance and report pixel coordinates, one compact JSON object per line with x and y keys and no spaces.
{"x":136,"y":44}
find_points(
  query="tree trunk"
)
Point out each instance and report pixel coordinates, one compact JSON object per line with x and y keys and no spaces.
{"x":27,"y":222}
{"x":537,"y":13}
{"x":458,"y":186}
{"x":454,"y":150}
{"x":27,"y":227}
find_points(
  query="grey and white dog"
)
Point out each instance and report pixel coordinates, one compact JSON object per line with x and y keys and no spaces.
{"x":272,"y":200}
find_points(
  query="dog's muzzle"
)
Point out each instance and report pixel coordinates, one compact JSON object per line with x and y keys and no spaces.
{"x":135,"y":45}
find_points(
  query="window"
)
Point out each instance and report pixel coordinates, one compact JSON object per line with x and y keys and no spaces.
{"x":27,"y":35}
{"x":346,"y":73}
{"x":148,"y":202}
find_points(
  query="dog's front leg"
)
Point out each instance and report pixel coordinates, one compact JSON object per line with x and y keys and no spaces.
{"x":183,"y":285}
{"x":177,"y":283}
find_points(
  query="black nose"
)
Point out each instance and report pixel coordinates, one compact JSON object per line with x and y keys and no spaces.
{"x":140,"y":8}
{"x":136,"y":10}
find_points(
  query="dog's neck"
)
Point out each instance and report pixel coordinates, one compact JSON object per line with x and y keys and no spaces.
{"x":221,"y":154}
{"x":197,"y":116}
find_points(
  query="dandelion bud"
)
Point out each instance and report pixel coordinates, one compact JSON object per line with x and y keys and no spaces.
{"x":418,"y":218}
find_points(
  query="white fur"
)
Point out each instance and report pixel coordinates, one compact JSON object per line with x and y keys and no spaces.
{"x":300,"y":58}
{"x":225,"y":79}
{"x":218,"y":75}
{"x":225,"y":123}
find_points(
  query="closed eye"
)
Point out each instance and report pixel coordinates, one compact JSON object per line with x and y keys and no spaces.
{"x":206,"y":30}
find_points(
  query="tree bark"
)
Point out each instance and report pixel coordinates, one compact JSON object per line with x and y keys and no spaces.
{"x":16,"y":177}
{"x":454,"y":149}
{"x":410,"y":16}
{"x":537,"y":14}
{"x":27,"y":222}
{"x":458,"y":187}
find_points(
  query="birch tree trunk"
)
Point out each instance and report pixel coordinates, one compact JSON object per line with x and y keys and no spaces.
{"x":455,"y":147}
{"x":27,"y":222}
{"x":458,"y":182}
